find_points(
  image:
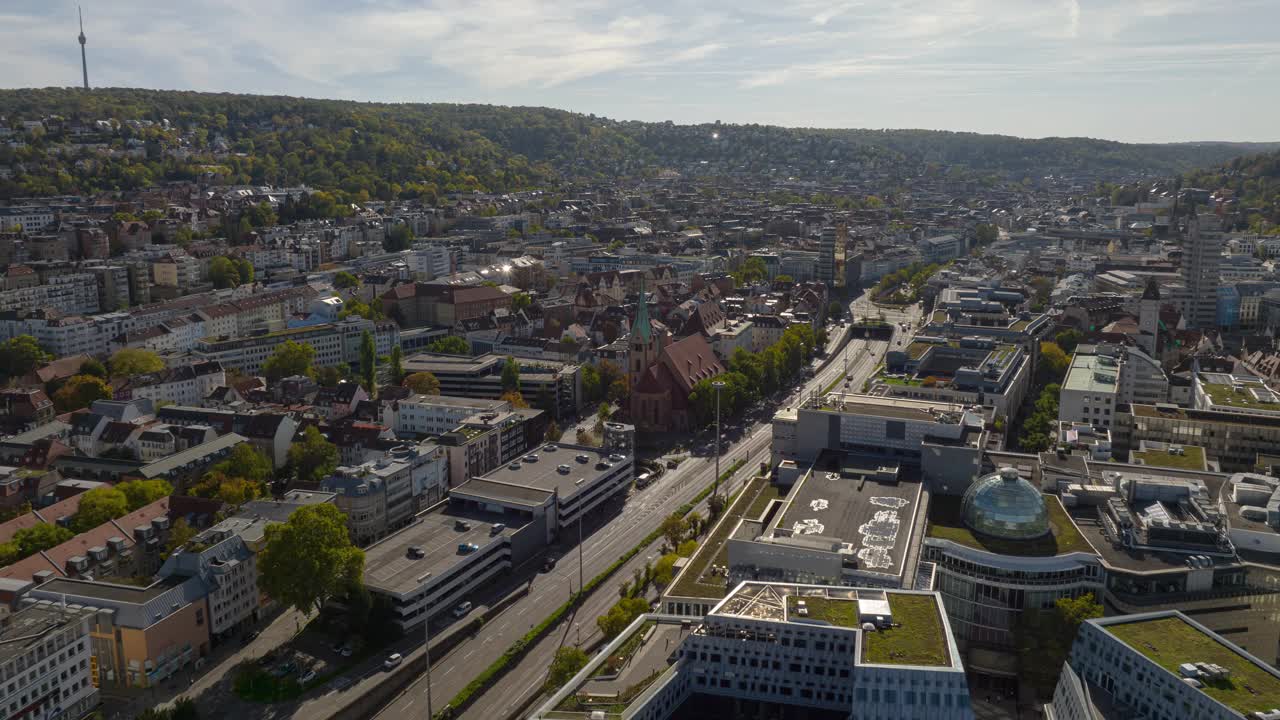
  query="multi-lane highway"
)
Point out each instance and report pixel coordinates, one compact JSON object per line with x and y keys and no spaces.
{"x":612,"y":536}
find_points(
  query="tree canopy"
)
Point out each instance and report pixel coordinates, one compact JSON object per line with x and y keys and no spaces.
{"x":423,"y":383}
{"x":289,"y":359}
{"x":246,"y":461}
{"x":98,"y":506}
{"x":140,"y":493}
{"x":79,"y":392}
{"x":135,"y":361}
{"x":511,"y":375}
{"x":313,"y":457}
{"x":309,"y":558}
{"x":450,"y":345}
{"x":20,"y":355}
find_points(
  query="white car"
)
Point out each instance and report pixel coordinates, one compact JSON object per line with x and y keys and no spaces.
{"x":307,"y":677}
{"x":462,"y":609}
{"x":393,"y":661}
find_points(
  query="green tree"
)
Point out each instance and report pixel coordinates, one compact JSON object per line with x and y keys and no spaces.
{"x":179,"y":534}
{"x":369,"y":363}
{"x":553,"y":432}
{"x":246,"y":461}
{"x":40,"y":536}
{"x":1053,"y":360}
{"x":289,"y":359}
{"x":93,"y":367}
{"x":423,"y":383}
{"x":568,"y":344}
{"x":621,"y":615}
{"x":986,"y":233}
{"x":520,"y":301}
{"x":665,"y":569}
{"x":515,"y":398}
{"x":244,"y":270}
{"x":1068,"y":340}
{"x":834,"y":310}
{"x":98,"y":506}
{"x":344,"y":279}
{"x":20,"y":355}
{"x":313,"y":457}
{"x":1044,"y":639}
{"x":785,"y":279}
{"x":511,"y":375}
{"x":395,"y":368}
{"x":135,"y":361}
{"x":79,"y":392}
{"x":567,"y":662}
{"x":328,"y":377}
{"x":674,"y":528}
{"x":141,"y":493}
{"x":450,"y":345}
{"x":399,"y":237}
{"x":309,"y":558}
{"x":223,"y":273}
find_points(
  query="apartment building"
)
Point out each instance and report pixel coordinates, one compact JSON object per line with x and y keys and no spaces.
{"x":45,"y":662}
{"x":72,"y":294}
{"x":1091,"y":390}
{"x":377,"y":497}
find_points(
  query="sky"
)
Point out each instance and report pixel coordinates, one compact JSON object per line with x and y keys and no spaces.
{"x":1130,"y":70}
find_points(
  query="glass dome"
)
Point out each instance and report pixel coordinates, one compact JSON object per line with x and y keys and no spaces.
{"x":1004,"y":505}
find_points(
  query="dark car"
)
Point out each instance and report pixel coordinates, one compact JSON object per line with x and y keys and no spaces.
{"x":549,"y":564}
{"x":250,"y":637}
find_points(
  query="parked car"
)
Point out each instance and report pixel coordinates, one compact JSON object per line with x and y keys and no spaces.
{"x":393,"y":660}
{"x":415,"y":552}
{"x":250,"y":637}
{"x":345,"y":651}
{"x":497,"y":528}
{"x":464,"y":548}
{"x":461,"y":525}
{"x":462,"y":609}
{"x":308,"y":676}
{"x":549,"y":564}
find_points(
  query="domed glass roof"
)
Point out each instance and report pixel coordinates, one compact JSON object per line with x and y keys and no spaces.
{"x":1004,"y":505}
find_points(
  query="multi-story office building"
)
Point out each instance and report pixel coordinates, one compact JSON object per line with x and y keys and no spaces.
{"x":551,"y":386}
{"x":334,"y":343}
{"x":969,"y":371}
{"x":428,"y":415}
{"x":804,"y":647}
{"x":1234,"y":439}
{"x":1201,"y":261}
{"x":1162,"y":665}
{"x":945,"y":441}
{"x":826,"y":271}
{"x":377,"y":497}
{"x":1091,"y":390}
{"x":46,"y":662}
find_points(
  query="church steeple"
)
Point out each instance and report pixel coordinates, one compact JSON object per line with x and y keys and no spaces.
{"x":642,"y":325}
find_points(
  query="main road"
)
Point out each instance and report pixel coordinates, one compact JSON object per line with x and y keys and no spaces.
{"x":617,"y":534}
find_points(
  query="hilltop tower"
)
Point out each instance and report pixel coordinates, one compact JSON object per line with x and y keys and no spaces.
{"x":84,"y":62}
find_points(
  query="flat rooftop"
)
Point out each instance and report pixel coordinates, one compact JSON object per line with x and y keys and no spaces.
{"x":1092,"y":373}
{"x":387,"y":564}
{"x":1171,"y":641}
{"x":918,"y":634}
{"x":549,"y":468}
{"x":875,"y":517}
{"x":104,"y":590}
{"x":1227,"y":391}
{"x":894,"y":408}
{"x":946,"y":523}
{"x":1191,"y":457}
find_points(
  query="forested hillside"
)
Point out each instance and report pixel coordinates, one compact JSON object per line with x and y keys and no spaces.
{"x":381,"y":150}
{"x":1255,"y":182}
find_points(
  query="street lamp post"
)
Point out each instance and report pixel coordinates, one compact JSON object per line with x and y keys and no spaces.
{"x":715,"y":488}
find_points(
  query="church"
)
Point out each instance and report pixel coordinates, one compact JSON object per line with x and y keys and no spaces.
{"x":663,"y":372}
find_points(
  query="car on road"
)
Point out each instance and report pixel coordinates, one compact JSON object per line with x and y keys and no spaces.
{"x":250,"y":637}
{"x":462,"y":609}
{"x":345,"y":651}
{"x":308,"y":676}
{"x":549,"y":564}
{"x":393,"y":661}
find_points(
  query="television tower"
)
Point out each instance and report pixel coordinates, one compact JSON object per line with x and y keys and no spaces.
{"x":84,"y":63}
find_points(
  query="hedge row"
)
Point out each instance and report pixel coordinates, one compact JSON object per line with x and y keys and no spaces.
{"x":498,"y":667}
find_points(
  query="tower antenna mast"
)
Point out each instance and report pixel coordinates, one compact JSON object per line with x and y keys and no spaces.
{"x":84,"y":62}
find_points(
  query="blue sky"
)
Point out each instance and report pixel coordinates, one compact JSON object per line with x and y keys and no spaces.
{"x":1133,"y":70}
